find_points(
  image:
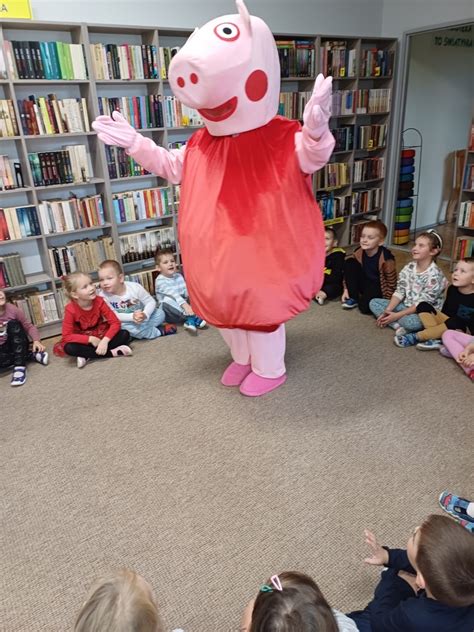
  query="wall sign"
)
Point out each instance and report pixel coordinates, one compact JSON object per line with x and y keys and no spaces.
{"x":15,"y":9}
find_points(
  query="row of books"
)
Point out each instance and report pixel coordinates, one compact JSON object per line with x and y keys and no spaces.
{"x":18,"y":223}
{"x":366,"y":200}
{"x":11,"y":270}
{"x":464,"y":247}
{"x":39,"y":308}
{"x":176,"y":114}
{"x":72,"y":164}
{"x":11,"y":175}
{"x":8,"y":122}
{"x":337,"y":59}
{"x":371,"y":101}
{"x":143,"y":245}
{"x":59,"y":216}
{"x":50,"y":115}
{"x":124,"y":61}
{"x":292,"y":104}
{"x":297,"y":57}
{"x":141,"y":112}
{"x":377,"y":63}
{"x":469,"y":178}
{"x":85,"y":255}
{"x":466,"y":215}
{"x":371,"y":136}
{"x":46,"y":60}
{"x":334,"y":206}
{"x":121,"y":165}
{"x":131,"y":206}
{"x":334,"y":174}
{"x":145,"y":278}
{"x":344,"y":138}
{"x":368,"y":169}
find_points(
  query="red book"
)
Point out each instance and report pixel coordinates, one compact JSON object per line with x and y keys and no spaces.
{"x":4,"y":234}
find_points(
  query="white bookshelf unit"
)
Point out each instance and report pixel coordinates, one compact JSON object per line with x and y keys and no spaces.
{"x":124,"y":228}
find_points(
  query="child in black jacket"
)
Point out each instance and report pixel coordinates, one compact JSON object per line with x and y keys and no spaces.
{"x":332,"y":283}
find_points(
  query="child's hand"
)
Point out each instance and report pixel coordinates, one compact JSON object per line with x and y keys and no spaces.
{"x":386,"y":318}
{"x":139,"y":317}
{"x":94,"y":341}
{"x":38,"y":347}
{"x":410,"y":579}
{"x":188,"y":310}
{"x":468,"y":361}
{"x":379,"y":555}
{"x":345,"y":296}
{"x":102,"y":347}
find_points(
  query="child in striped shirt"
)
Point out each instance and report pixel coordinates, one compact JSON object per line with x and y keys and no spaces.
{"x":172,"y":293}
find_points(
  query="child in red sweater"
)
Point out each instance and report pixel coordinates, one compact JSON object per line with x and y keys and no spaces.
{"x":15,"y":334}
{"x":91,"y":330}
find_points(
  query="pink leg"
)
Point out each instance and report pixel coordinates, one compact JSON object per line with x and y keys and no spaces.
{"x":237,"y":371}
{"x":267,"y":355}
{"x":455,"y":342}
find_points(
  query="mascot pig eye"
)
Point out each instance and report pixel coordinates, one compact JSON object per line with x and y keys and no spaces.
{"x":227,"y":31}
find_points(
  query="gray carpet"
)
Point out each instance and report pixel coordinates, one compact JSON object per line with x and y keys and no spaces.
{"x":148,"y":462}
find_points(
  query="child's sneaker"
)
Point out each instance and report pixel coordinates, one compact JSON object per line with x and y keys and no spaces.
{"x":189,"y":325}
{"x":200,"y":323}
{"x":349,"y":303}
{"x":455,"y":506}
{"x":444,"y":352}
{"x":407,"y":340}
{"x":399,"y":330}
{"x":167,"y":330}
{"x":41,"y":357}
{"x":428,"y":345}
{"x":81,"y":362}
{"x":320,"y":301}
{"x":18,"y":376}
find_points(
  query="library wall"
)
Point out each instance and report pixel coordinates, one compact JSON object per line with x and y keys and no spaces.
{"x":399,"y":16}
{"x":344,"y":17}
{"x":439,"y":103}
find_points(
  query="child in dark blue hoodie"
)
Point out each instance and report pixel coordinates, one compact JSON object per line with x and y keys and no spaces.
{"x":427,"y":588}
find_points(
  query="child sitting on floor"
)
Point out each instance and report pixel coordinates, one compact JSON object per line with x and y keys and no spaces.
{"x":456,"y":313}
{"x":16,"y":331}
{"x":369,"y":272}
{"x":460,"y":346}
{"x":90,"y":329}
{"x":333,"y":269}
{"x":427,"y":588}
{"x":122,"y":602}
{"x":419,"y":281}
{"x":292,"y":602}
{"x":134,"y":306}
{"x":458,"y":508}
{"x":172,"y":293}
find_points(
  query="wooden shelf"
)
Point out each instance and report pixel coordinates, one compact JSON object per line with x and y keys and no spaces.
{"x":45,"y":82}
{"x":7,"y":242}
{"x":65,"y":135}
{"x":74,"y":185}
{"x":125,"y":81}
{"x":14,"y":191}
{"x":88,"y":229}
{"x":31,"y":281}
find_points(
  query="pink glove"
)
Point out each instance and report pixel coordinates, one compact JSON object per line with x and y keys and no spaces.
{"x":116,"y":130}
{"x":318,"y":109}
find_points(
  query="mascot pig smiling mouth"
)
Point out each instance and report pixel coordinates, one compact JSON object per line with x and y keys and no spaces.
{"x":250,"y":230}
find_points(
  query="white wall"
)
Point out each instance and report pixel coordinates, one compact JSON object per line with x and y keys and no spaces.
{"x":338,"y":17}
{"x":404,"y":15}
{"x":440,"y":97}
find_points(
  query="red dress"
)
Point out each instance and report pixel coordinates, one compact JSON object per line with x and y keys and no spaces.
{"x":251,"y":232}
{"x":79,"y":324}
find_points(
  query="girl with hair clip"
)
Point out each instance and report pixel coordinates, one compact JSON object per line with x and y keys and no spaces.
{"x":419,"y":281}
{"x":292,"y":602}
{"x":90,"y":330}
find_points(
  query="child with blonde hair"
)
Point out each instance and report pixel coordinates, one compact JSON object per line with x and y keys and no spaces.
{"x":292,"y":602}
{"x":90,"y":328}
{"x":419,"y":281}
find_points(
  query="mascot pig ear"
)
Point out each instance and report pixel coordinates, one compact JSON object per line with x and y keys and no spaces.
{"x":244,"y":14}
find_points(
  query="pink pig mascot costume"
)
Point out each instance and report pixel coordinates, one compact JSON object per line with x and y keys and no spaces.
{"x":251,"y":233}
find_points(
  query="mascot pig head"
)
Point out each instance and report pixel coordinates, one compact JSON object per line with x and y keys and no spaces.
{"x":229,"y":71}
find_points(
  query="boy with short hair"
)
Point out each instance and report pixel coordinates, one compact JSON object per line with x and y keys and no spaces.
{"x":333,"y":268}
{"x":370,"y":271}
{"x":134,"y":306}
{"x":172,"y":293}
{"x":427,"y":588}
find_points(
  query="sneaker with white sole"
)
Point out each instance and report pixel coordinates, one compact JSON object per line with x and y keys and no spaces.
{"x":349,"y":303}
{"x":428,"y":345}
{"x":81,"y":362}
{"x":400,"y":331}
{"x":407,"y":340}
{"x":190,"y":326}
{"x":319,"y":300}
{"x":200,"y":323}
{"x":41,"y":357}
{"x":18,"y":376}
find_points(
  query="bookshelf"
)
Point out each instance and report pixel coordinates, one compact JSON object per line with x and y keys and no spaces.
{"x":117,"y":208}
{"x":463,"y":243}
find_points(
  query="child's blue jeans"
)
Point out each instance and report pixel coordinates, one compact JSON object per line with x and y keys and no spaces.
{"x":409,"y":323}
{"x":148,"y":329}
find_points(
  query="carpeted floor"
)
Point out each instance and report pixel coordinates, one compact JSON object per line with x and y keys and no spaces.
{"x":148,"y":462}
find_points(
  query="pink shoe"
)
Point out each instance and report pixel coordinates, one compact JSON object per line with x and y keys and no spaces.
{"x":122,"y":350}
{"x":254,"y":385}
{"x":235,"y":374}
{"x":444,"y":352}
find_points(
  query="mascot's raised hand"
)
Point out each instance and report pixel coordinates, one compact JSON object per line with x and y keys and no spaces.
{"x":318,"y":109}
{"x":115,"y":130}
